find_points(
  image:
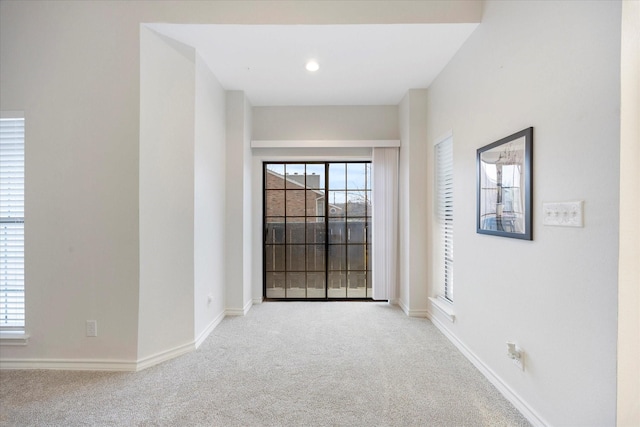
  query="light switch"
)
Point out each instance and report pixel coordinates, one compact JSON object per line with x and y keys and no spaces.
{"x":562,"y":214}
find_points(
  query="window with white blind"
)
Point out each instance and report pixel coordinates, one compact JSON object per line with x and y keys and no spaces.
{"x":444,"y":190}
{"x":12,"y":310}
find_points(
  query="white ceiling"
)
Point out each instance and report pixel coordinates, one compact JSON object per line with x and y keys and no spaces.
{"x":359,"y":64}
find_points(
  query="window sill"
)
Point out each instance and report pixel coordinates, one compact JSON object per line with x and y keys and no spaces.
{"x":14,"y":338}
{"x":444,"y":307}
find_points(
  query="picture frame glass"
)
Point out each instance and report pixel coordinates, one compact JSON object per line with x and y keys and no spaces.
{"x":504,"y":187}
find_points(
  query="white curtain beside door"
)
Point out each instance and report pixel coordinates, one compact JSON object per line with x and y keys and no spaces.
{"x":385,"y":223}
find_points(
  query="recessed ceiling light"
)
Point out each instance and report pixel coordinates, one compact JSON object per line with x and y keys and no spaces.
{"x":312,"y":65}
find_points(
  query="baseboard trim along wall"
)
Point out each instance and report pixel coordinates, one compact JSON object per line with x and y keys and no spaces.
{"x":97,"y":365}
{"x":112,"y":365}
{"x":413,"y":313}
{"x":207,"y":331}
{"x":149,"y":361}
{"x":513,"y":397}
{"x":69,"y":364}
{"x":239,"y":311}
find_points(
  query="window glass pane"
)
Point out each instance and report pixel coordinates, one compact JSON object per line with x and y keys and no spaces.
{"x":337,"y":176}
{"x":274,"y":258}
{"x":295,"y":176}
{"x":357,"y":203}
{"x":295,"y":203}
{"x":357,"y":285}
{"x":274,"y":232}
{"x":275,"y":285}
{"x":274,"y":203}
{"x":295,"y":230}
{"x":337,"y":203}
{"x":356,"y":231}
{"x":315,"y":285}
{"x":356,"y":257}
{"x":295,"y":257}
{"x":316,"y":230}
{"x":337,"y":231}
{"x":337,"y":257}
{"x":315,"y":203}
{"x":296,"y":285}
{"x":316,"y":258}
{"x":356,"y":176}
{"x":337,"y":285}
{"x":315,"y":176}
{"x":274,"y":176}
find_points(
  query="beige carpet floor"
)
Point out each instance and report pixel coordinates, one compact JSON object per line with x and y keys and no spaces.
{"x":284,"y":364}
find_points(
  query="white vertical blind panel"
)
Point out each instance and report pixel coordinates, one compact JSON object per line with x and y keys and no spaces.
{"x":444,"y":177}
{"x":12,"y":312}
{"x":385,"y":222}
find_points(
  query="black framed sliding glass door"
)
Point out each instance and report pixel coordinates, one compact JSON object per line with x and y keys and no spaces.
{"x":317,"y":230}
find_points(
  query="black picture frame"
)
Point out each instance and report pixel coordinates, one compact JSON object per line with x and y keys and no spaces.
{"x":505,"y":187}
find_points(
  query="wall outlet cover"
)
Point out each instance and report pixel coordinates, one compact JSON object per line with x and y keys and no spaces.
{"x":92,"y":328}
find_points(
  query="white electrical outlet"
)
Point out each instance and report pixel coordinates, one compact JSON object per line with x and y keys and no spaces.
{"x":516,"y":354}
{"x":562,"y":214}
{"x":519,"y":362}
{"x":92,"y":328}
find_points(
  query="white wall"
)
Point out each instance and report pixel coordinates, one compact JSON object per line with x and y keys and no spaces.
{"x":251,"y":234}
{"x":413,"y":247}
{"x":554,"y":66}
{"x":73,"y":69}
{"x":325,"y":123}
{"x":182,"y":198}
{"x":167,"y":136}
{"x":340,"y":123}
{"x":629,"y":267}
{"x":209,"y":210}
{"x":238,"y":203}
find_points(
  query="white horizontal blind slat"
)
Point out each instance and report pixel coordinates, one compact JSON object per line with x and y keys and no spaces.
{"x":444,"y":189}
{"x":12,"y":307}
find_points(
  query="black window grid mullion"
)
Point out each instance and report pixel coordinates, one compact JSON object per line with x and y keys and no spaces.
{"x":326,"y":231}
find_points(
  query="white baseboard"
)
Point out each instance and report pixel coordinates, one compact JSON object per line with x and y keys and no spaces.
{"x":418,"y":313}
{"x":239,"y":311}
{"x":247,"y":307}
{"x":513,"y":397}
{"x":204,"y":334}
{"x":69,"y":364}
{"x":258,"y":300}
{"x":403,"y":307}
{"x":162,"y":356}
{"x":96,"y":365}
{"x":111,"y":365}
{"x":412,"y":313}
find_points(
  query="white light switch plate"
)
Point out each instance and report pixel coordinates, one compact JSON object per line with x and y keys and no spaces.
{"x":563,"y":214}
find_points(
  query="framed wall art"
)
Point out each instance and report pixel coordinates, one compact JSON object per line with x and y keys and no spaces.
{"x":504,"y":194}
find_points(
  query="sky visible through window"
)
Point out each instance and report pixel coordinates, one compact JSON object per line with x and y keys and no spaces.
{"x":354,"y":177}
